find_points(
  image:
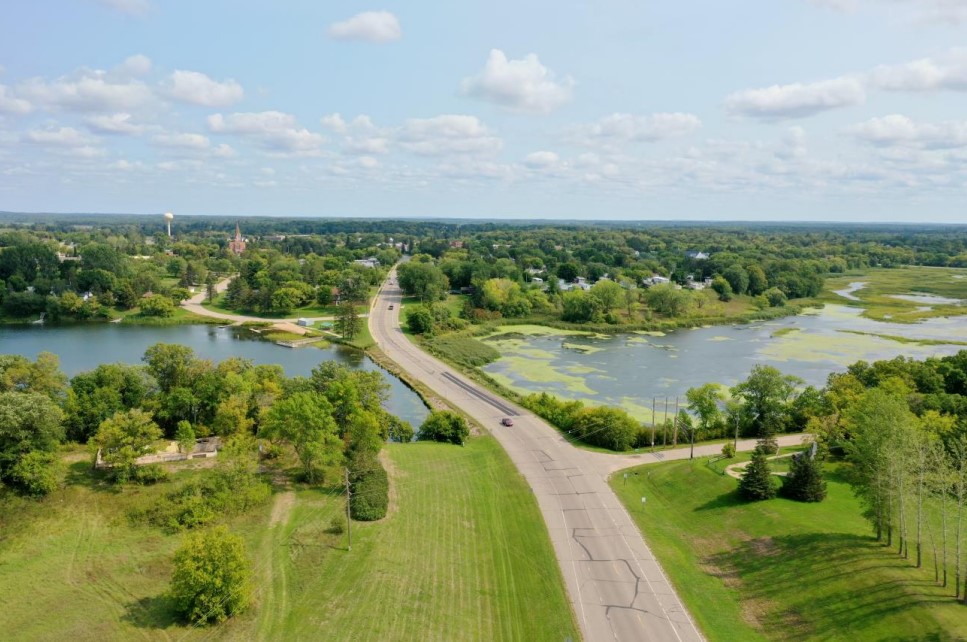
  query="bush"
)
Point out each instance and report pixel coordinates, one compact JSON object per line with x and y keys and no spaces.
{"x":399,"y":430}
{"x":157,"y":305}
{"x":369,"y":488}
{"x":337,"y":526}
{"x":37,"y":473}
{"x":203,"y":501}
{"x":610,"y":428}
{"x":805,"y":482}
{"x":150,"y":474}
{"x":728,"y":450}
{"x":559,"y":412}
{"x":212,"y":578}
{"x":445,"y":426}
{"x":775,"y":297}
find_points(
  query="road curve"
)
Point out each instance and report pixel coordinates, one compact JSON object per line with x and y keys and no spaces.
{"x":616,"y":586}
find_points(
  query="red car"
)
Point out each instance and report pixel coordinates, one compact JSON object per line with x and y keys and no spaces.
{"x":507,"y":421}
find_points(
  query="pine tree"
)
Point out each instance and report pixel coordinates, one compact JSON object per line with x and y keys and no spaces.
{"x":805,"y":481}
{"x":756,"y":483}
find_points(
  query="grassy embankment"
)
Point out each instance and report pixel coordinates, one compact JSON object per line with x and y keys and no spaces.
{"x":463,"y":555}
{"x":876,"y":297}
{"x":782,"y":570}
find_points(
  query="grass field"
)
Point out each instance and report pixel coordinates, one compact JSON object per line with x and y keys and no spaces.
{"x":877,"y":295}
{"x":782,"y":570}
{"x":463,"y":555}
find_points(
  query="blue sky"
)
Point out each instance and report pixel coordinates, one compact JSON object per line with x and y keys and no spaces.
{"x":590,"y":109}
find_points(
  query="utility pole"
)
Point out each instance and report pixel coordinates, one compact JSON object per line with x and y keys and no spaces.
{"x":349,"y":519}
{"x":653,"y":426}
{"x":735,"y":443}
{"x":664,"y":426}
{"x":691,"y":453}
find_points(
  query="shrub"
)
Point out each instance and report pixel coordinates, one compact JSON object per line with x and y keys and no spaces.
{"x":369,"y":488}
{"x":609,"y":428}
{"x":337,"y":526}
{"x":203,"y":501}
{"x":559,"y":412}
{"x":445,"y":426}
{"x":212,"y":578}
{"x":728,"y":450}
{"x":399,"y":429}
{"x":37,"y":473}
{"x":775,"y":297}
{"x":150,"y":474}
{"x":157,"y":305}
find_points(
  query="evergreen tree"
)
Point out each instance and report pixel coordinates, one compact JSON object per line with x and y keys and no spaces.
{"x":756,"y":483}
{"x":805,"y":482}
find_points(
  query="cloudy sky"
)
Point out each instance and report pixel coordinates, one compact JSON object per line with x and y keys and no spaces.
{"x":590,"y":109}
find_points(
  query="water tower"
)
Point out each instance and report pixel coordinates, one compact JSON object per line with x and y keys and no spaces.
{"x":168,"y":218}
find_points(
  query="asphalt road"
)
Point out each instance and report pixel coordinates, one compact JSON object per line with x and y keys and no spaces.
{"x":616,"y":587}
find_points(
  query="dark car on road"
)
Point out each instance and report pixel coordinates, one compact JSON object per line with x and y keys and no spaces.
{"x":507,"y":421}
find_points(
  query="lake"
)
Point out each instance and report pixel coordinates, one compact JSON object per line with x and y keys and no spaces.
{"x":84,"y":347}
{"x":629,"y":370}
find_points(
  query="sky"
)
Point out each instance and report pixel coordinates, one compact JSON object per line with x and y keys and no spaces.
{"x":779,"y":110}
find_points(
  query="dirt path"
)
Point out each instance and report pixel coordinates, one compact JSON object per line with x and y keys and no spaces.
{"x":735,"y":470}
{"x":282,"y":508}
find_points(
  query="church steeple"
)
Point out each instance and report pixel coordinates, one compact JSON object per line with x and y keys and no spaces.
{"x":237,"y":245}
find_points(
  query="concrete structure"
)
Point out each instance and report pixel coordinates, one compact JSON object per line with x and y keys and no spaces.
{"x":369,"y":262}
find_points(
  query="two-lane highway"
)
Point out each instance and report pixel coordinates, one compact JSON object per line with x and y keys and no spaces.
{"x":616,"y":587}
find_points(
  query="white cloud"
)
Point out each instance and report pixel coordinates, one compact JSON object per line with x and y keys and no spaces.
{"x":927,"y":74}
{"x":119,"y":123}
{"x":196,"y":142}
{"x":902,"y":131}
{"x":11,"y":104}
{"x":224,"y":151}
{"x":334,"y":122}
{"x":87,"y":90}
{"x":197,"y":88}
{"x":793,"y":145}
{"x":448,"y":134}
{"x":522,"y":85}
{"x":541,"y":159}
{"x":369,"y":26}
{"x":632,"y":128}
{"x":797,"y":100}
{"x":130,"y":7}
{"x":136,"y":65}
{"x":58,"y":137}
{"x":360,"y":135}
{"x":275,"y":131}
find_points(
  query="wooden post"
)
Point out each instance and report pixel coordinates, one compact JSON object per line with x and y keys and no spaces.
{"x":664,"y":426}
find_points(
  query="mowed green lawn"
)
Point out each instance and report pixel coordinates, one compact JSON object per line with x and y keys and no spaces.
{"x":783,"y":570}
{"x":463,"y":555}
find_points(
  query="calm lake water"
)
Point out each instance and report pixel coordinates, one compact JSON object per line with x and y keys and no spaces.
{"x":628,"y":370}
{"x":83,"y":347}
